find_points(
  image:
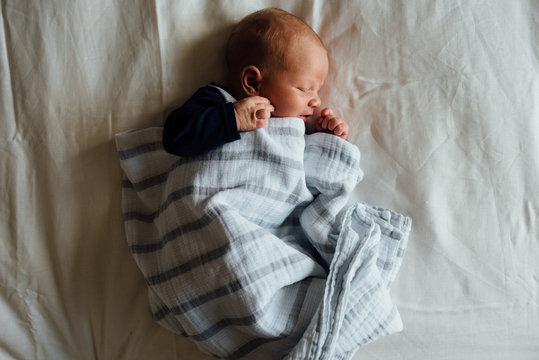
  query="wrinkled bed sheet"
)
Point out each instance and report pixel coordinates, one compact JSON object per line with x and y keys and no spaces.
{"x":442,"y":100}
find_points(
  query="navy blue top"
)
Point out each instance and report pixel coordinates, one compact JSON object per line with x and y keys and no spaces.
{"x":205,"y":122}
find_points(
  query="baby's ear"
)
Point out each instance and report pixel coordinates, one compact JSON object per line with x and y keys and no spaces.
{"x":251,"y":78}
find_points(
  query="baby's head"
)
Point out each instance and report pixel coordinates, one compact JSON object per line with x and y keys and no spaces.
{"x":274,"y":54}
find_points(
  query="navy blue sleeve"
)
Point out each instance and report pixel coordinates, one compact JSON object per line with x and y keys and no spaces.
{"x":205,"y":122}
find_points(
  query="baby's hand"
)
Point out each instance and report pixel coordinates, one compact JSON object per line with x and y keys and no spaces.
{"x":328,"y":122}
{"x":252,"y":112}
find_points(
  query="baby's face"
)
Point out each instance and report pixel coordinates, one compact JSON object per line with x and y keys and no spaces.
{"x":294,"y":91}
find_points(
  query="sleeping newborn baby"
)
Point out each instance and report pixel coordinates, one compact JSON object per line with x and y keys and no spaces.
{"x":277,"y":65}
{"x":243,"y":244}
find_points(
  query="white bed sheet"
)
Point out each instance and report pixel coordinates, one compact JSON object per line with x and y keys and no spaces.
{"x":442,"y":99}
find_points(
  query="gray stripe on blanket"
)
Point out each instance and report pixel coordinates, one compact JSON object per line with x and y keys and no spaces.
{"x":388,"y":229}
{"x":219,"y":252}
{"x":250,"y":347}
{"x":292,"y":321}
{"x":198,"y":224}
{"x":323,"y":214}
{"x":365,"y":308}
{"x":139,"y":150}
{"x":248,"y":320}
{"x":332,"y":153}
{"x":274,"y":195}
{"x":204,"y":258}
{"x":231,"y":287}
{"x":326,"y":249}
{"x":258,"y":155}
{"x":148,"y":218}
{"x":381,"y":329}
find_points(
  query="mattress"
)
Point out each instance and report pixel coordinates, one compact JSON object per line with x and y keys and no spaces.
{"x":442,"y":99}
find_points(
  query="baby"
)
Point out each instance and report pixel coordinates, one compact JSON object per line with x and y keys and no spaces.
{"x":277,"y":65}
{"x":243,"y":249}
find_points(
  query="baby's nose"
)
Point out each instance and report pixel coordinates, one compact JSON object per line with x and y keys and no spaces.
{"x":315,"y":101}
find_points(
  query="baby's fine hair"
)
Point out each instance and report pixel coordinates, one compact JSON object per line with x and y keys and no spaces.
{"x":263,"y":38}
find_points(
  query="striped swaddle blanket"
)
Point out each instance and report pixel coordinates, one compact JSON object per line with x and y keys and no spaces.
{"x":245,"y":251}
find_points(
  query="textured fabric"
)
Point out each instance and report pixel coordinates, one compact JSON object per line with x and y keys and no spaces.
{"x":441,"y":97}
{"x":241,"y":249}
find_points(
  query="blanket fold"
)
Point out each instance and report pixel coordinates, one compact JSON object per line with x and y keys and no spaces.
{"x":241,"y":250}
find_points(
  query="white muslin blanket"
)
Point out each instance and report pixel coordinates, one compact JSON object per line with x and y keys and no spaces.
{"x":245,"y":250}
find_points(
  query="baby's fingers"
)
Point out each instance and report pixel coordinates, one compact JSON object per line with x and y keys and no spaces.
{"x":263,"y":111}
{"x":261,"y":123}
{"x":262,"y":114}
{"x":259,"y":100}
{"x":320,"y":124}
{"x":327,"y":112}
{"x":341,"y":131}
{"x":324,"y":123}
{"x":333,"y":122}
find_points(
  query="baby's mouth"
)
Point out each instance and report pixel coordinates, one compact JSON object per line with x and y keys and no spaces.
{"x":305,"y":117}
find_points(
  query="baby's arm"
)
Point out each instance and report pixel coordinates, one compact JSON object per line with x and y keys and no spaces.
{"x":205,"y":122}
{"x":252,"y":113}
{"x":328,"y":122}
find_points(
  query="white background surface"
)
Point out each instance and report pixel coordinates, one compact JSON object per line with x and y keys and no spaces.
{"x":442,"y":99}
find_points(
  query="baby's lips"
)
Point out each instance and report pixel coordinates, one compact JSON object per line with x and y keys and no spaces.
{"x":305,"y":117}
